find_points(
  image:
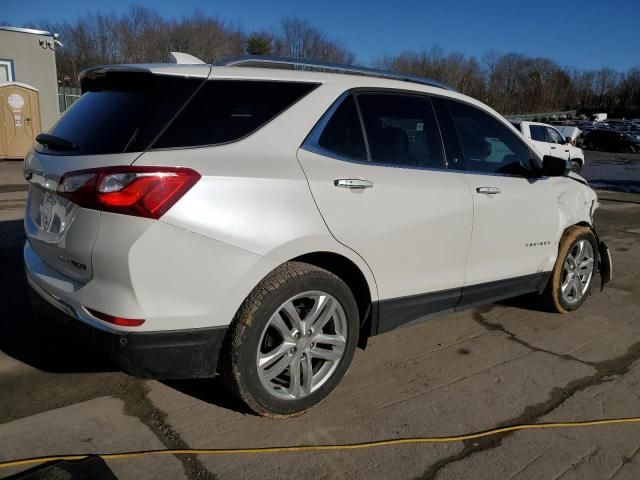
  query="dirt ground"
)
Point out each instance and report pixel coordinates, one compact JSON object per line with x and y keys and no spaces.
{"x":502,"y":364}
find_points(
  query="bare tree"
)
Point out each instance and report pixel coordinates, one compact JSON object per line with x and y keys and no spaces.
{"x":511,"y":83}
{"x":299,"y":39}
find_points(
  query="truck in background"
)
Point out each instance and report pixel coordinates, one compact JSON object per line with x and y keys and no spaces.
{"x":547,"y":140}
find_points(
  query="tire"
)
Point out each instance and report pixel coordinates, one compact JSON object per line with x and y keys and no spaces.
{"x":562,"y":300}
{"x":576,"y":166}
{"x":265,"y":331}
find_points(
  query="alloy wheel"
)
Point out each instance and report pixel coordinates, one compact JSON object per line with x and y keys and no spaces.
{"x":302,"y":345}
{"x":577,"y":272}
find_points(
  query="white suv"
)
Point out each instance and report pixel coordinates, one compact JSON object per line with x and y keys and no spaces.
{"x":261,"y":223}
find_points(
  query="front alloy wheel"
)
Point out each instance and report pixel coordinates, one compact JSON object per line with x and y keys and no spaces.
{"x":572,"y":275}
{"x":577,"y":272}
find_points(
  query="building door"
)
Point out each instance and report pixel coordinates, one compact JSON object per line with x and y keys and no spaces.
{"x":19,"y":119}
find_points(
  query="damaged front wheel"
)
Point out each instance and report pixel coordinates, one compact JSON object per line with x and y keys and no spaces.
{"x":572,"y":275}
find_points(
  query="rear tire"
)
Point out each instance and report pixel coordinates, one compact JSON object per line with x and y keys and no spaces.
{"x":572,"y":275}
{"x":291,"y":341}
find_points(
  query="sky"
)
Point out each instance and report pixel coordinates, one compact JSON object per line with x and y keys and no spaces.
{"x":587,"y":34}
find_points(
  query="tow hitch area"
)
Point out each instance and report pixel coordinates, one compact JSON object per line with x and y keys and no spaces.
{"x":606,"y":265}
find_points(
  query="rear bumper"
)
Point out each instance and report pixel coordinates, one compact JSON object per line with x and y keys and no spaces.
{"x":171,"y":354}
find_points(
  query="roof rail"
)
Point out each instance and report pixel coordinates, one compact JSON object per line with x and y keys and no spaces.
{"x":285,"y":62}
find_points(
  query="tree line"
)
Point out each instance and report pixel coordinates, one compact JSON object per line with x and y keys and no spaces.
{"x":511,"y":83}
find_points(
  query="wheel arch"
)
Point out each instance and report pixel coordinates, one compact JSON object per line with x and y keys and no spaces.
{"x":347,"y":270}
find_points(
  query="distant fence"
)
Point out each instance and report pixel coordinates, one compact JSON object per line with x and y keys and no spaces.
{"x":550,"y":115}
{"x":67,"y":95}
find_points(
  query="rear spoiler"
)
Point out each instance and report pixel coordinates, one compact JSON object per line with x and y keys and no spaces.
{"x":201,"y":70}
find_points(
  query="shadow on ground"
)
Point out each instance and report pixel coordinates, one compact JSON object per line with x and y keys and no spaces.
{"x":25,"y":336}
{"x":39,"y":343}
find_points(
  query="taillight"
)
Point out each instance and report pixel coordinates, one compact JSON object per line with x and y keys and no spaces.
{"x":140,"y":191}
{"x":120,"y":321}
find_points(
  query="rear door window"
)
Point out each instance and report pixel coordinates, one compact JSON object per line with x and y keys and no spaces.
{"x":224,"y":111}
{"x":401,"y":130}
{"x":120,"y":112}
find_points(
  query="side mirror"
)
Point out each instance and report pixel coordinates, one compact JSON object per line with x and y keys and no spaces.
{"x":568,"y":140}
{"x":555,"y":166}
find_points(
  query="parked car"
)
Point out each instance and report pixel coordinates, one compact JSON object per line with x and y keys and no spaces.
{"x":599,"y":117}
{"x":549,"y":141}
{"x":260,"y":223}
{"x":611,"y":141}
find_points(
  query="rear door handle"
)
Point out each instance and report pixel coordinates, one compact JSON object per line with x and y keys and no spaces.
{"x":488,"y":190}
{"x":354,"y":183}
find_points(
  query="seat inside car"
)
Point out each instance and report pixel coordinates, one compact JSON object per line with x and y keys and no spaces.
{"x":389,"y":145}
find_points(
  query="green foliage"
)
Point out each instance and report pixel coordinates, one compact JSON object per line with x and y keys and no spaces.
{"x":259,"y":45}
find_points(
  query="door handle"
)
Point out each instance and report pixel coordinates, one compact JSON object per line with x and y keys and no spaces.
{"x":488,"y":190}
{"x":553,"y":148}
{"x":354,"y":183}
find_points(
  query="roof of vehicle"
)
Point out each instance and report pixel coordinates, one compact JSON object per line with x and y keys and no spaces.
{"x":268,"y":73}
{"x":266,"y":67}
{"x":271,"y":73}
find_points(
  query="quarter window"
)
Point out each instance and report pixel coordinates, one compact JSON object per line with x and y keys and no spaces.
{"x":487,"y":145}
{"x":226,"y":110}
{"x":401,"y":130}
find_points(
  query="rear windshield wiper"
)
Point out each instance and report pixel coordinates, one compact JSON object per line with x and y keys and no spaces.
{"x":55,"y":143}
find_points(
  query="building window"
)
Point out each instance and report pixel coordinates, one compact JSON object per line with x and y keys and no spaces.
{"x":6,"y":71}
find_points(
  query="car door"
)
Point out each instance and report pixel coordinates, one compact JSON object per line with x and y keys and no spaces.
{"x":516,"y":215}
{"x":376,"y":170}
{"x":539,"y":139}
{"x":557,"y":144}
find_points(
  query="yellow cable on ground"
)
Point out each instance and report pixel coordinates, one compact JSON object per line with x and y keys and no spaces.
{"x":319,"y":448}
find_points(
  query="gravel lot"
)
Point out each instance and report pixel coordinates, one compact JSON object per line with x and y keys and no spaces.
{"x":497,"y":365}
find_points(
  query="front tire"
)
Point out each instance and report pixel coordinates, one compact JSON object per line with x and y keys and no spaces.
{"x":576,"y":166}
{"x":291,"y":341}
{"x":572,"y":276}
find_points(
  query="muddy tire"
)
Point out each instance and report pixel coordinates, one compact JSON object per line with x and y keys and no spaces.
{"x":574,"y":271}
{"x":291,"y":341}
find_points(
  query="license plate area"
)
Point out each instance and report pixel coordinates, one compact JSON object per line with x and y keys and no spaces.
{"x":51,"y":213}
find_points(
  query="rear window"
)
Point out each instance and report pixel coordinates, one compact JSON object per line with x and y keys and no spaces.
{"x":121,"y":112}
{"x":227,"y":110}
